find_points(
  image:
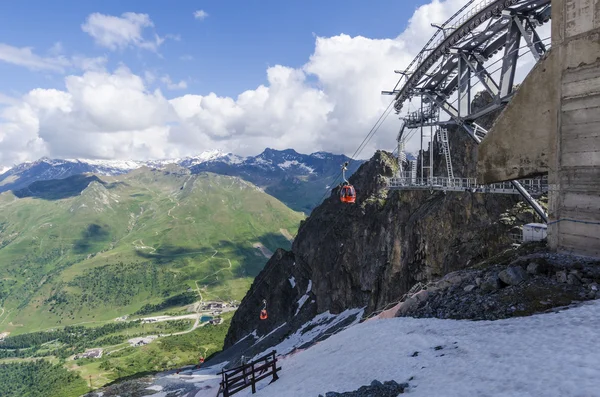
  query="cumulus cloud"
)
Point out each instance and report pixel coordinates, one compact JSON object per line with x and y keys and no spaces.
{"x":98,"y":115}
{"x":121,"y":32}
{"x":200,"y":14}
{"x":329,"y":103}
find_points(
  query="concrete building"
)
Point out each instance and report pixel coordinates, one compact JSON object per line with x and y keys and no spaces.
{"x":552,"y":125}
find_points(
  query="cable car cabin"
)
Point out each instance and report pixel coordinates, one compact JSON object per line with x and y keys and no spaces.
{"x":347,"y":194}
{"x":263,"y":314}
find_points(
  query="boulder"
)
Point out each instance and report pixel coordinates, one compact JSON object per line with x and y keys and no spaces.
{"x":491,"y":283}
{"x":513,"y":275}
{"x":573,"y":280}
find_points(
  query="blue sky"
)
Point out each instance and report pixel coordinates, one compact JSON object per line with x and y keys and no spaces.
{"x":230,"y":49}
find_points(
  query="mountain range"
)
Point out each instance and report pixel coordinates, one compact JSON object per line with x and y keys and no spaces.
{"x":298,"y":180}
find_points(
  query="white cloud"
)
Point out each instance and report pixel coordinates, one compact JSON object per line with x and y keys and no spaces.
{"x":25,"y":56}
{"x":83,"y":63}
{"x":182,"y":85}
{"x":200,"y":14}
{"x":7,"y":100}
{"x":186,"y":57}
{"x":330,"y":103}
{"x":99,"y":114}
{"x":121,"y":32}
{"x":58,"y":63}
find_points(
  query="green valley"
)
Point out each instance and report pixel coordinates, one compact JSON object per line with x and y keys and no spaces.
{"x":83,"y":260}
{"x":111,"y":245}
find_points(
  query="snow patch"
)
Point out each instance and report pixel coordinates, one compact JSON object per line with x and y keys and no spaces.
{"x":292,"y":281}
{"x":550,"y":355}
{"x":314,"y":329}
{"x":319,"y":155}
{"x":303,"y":298}
{"x":286,"y":164}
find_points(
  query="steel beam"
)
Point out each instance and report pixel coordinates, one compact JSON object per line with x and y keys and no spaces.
{"x":538,"y":45}
{"x":511,"y":55}
{"x":453,"y":113}
{"x":440,"y":101}
{"x":534,"y":204}
{"x":464,"y":87}
{"x":482,"y":74}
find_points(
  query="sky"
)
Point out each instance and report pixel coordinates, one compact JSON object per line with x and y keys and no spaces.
{"x":146,"y":80}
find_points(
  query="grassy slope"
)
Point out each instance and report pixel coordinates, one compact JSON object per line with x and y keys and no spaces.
{"x":160,"y":355}
{"x":133,"y":240}
{"x":125,"y":361}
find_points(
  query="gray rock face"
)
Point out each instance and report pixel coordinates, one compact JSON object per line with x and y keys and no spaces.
{"x":372,"y":252}
{"x":513,"y":275}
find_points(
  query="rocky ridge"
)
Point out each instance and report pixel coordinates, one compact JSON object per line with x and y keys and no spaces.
{"x":518,"y":283}
{"x":371,"y":253}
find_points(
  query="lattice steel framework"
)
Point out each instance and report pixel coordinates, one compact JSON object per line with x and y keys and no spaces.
{"x":458,"y":60}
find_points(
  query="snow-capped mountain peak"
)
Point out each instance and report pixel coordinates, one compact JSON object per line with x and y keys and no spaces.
{"x":272,"y":166}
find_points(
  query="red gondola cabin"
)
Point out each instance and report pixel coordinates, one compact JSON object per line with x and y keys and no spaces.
{"x":263,"y":314}
{"x":347,"y":194}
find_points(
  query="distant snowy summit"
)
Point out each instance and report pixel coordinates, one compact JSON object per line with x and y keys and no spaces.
{"x":49,"y":168}
{"x":271,"y":168}
{"x":113,"y":167}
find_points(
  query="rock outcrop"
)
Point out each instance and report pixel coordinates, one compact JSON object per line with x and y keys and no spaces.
{"x":516,"y":283}
{"x":372,"y":252}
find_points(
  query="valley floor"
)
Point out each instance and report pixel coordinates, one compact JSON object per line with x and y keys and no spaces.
{"x":551,"y":354}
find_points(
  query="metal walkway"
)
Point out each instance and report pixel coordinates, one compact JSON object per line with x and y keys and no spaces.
{"x":534,"y":187}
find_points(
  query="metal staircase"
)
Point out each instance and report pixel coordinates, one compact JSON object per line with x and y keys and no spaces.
{"x":446,"y":148}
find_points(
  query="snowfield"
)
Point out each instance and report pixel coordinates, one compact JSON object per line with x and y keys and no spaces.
{"x":545,"y":355}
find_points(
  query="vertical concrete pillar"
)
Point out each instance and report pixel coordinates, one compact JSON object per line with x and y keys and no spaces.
{"x":574,"y":175}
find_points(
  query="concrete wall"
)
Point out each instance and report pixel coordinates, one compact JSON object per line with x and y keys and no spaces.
{"x":553,"y":125}
{"x":523,"y":137}
{"x":575,"y":176}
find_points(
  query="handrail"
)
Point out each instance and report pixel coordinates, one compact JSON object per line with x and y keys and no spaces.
{"x":406,"y":181}
{"x":236,"y":379}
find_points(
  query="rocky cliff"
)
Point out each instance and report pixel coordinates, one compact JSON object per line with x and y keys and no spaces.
{"x":371,"y":253}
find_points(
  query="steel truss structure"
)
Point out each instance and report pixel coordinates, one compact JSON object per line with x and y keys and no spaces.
{"x":457,"y":62}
